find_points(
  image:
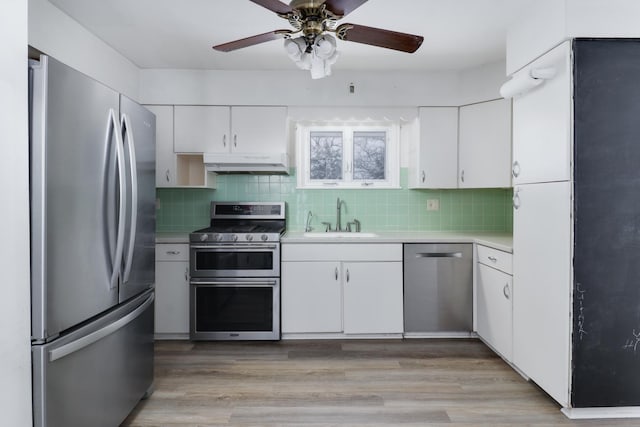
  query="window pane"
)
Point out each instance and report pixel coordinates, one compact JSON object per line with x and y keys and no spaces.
{"x":369,"y":155}
{"x":325,"y":154}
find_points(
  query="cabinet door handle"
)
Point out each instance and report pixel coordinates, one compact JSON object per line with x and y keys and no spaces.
{"x":347,"y":275}
{"x":235,"y":141}
{"x":492,"y":259}
{"x":173,"y":252}
{"x":462,"y":175}
{"x":336,"y":273}
{"x":167,"y":176}
{"x":224,"y":140}
{"x":424,"y":176}
{"x":515,"y":170}
{"x":186,"y":274}
{"x":516,"y":200}
{"x":506,"y":292}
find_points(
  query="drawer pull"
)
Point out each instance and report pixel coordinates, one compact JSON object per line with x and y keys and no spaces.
{"x":173,"y":252}
{"x":492,"y":259}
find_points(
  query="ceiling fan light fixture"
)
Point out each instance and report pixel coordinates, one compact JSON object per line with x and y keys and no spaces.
{"x":317,"y":57}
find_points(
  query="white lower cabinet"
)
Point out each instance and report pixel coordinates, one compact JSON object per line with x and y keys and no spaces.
{"x":494,"y":309}
{"x":311,"y":297}
{"x":342,"y":288}
{"x":373,"y":301}
{"x":542,"y":227}
{"x":172,"y":290}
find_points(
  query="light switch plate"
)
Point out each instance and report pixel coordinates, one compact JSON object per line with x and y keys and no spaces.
{"x":433,"y":204}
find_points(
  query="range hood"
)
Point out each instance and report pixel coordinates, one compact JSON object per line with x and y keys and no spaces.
{"x":247,"y":162}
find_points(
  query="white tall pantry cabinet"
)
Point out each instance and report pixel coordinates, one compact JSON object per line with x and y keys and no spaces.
{"x":542,"y":227}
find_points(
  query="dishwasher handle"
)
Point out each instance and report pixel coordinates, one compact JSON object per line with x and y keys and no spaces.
{"x":439,"y":255}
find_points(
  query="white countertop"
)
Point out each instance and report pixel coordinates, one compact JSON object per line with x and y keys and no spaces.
{"x":176,"y":237}
{"x":500,"y":241}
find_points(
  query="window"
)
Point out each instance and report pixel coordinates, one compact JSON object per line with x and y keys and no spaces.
{"x":348,"y":156}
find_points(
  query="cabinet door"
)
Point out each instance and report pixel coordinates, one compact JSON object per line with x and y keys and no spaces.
{"x":494,"y":309}
{"x":485,"y":145}
{"x":165,"y":157}
{"x":373,"y":297}
{"x":172,"y":297}
{"x":542,"y":123}
{"x":259,"y":129}
{"x":201,"y":129}
{"x":541,"y":275}
{"x":311,"y":295}
{"x":438,"y":151}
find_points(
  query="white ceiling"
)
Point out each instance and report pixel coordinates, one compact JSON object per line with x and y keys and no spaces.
{"x":179,"y":33}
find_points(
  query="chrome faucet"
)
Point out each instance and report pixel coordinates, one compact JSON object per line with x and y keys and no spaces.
{"x":307,"y":226}
{"x":338,"y":219}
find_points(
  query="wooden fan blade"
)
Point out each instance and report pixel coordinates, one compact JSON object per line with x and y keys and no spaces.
{"x":275,"y":6}
{"x":253,"y":40}
{"x":378,"y":37}
{"x":343,"y":7}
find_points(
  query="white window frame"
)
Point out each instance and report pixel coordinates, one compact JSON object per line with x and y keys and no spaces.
{"x":392,"y":156}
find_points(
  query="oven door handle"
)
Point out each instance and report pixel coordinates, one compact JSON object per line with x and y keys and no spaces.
{"x":236,"y":247}
{"x":266,"y":283}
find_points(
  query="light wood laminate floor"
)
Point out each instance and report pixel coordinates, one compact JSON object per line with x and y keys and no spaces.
{"x":343,"y":383}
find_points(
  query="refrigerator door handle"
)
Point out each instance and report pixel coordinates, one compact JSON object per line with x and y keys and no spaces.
{"x":126,"y":126}
{"x":114,"y":125}
{"x":87,"y":340}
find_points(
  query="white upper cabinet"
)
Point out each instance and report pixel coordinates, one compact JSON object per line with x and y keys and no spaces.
{"x":259,"y":129}
{"x":202,"y":129}
{"x":485,"y":145}
{"x":542,"y":123}
{"x":165,"y":157}
{"x":435,"y":164}
{"x":215,"y":129}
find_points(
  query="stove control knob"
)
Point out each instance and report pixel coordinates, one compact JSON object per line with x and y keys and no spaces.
{"x":264,"y":237}
{"x":234,"y":237}
{"x":249,"y":237}
{"x":219,"y":237}
{"x":204,"y":237}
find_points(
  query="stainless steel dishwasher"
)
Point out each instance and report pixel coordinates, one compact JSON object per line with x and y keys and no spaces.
{"x":438,"y":288}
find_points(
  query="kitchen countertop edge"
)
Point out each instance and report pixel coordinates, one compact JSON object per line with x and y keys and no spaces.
{"x":500,"y":241}
{"x":175,"y":237}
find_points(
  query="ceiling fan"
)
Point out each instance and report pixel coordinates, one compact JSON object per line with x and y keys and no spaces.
{"x":315,"y":49}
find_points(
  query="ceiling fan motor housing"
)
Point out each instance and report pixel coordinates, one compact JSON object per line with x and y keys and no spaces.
{"x":312,"y":18}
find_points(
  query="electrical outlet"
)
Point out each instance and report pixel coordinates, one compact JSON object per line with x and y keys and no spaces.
{"x":433,"y":204}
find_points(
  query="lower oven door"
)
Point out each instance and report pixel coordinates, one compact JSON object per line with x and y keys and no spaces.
{"x":234,"y":309}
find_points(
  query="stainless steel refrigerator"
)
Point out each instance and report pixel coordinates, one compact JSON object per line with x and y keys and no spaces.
{"x":92,"y":248}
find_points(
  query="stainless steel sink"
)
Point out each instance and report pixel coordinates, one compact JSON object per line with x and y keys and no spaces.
{"x":340,"y":234}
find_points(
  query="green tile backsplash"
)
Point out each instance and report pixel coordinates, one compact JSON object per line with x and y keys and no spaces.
{"x":378,"y":210}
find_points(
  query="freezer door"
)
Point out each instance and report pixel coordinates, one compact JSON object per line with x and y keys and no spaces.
{"x":74,"y":197}
{"x":97,"y":374}
{"x":139,"y":136}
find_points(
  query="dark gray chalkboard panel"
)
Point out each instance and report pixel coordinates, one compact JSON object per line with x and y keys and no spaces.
{"x":606,"y":338}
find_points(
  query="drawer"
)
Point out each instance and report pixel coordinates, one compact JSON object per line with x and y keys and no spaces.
{"x":172,"y":252}
{"x":495,"y":258}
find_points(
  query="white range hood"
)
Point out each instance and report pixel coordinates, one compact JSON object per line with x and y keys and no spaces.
{"x":247,"y":162}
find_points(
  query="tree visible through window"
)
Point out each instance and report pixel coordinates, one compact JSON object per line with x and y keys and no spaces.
{"x":326,"y":155}
{"x":369,"y":155}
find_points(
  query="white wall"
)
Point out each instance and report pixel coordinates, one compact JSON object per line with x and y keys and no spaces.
{"x":15,"y":356}
{"x":296,"y":88}
{"x":547,"y":23}
{"x":55,"y":33}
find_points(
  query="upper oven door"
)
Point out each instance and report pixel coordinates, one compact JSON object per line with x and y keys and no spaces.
{"x":235,"y":260}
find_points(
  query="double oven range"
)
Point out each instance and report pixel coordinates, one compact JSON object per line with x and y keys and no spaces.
{"x":235,"y":273}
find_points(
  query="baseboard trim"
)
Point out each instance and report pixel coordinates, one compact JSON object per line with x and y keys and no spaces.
{"x":601,"y":413}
